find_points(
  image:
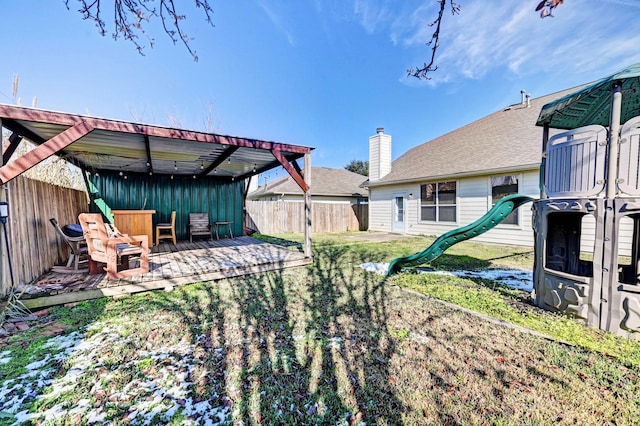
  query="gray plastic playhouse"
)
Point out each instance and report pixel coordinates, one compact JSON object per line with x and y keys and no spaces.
{"x":587,"y":220}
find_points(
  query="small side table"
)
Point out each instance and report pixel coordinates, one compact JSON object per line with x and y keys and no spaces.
{"x":223,"y":223}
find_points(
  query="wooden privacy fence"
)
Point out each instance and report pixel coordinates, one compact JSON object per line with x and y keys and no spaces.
{"x":34,"y":245}
{"x":274,"y":217}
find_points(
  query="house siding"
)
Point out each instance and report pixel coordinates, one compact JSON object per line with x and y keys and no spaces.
{"x":381,"y":208}
{"x":473,"y":201}
{"x":521,"y":234}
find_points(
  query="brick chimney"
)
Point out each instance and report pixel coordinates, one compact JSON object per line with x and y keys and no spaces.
{"x":379,"y":155}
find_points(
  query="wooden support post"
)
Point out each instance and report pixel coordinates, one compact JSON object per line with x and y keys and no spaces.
{"x":307,"y":206}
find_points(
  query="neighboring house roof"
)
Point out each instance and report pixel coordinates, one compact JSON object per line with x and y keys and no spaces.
{"x":506,"y":140}
{"x":324,"y":181}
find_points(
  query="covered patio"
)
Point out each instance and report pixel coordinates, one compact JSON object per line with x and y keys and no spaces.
{"x":133,"y":166}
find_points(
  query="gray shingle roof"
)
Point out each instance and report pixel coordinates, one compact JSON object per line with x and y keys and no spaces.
{"x":505,"y":140}
{"x":324,"y":181}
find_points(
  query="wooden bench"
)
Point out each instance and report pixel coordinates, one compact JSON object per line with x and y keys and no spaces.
{"x":199,"y":225}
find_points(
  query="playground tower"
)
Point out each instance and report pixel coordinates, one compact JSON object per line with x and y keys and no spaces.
{"x":587,"y":220}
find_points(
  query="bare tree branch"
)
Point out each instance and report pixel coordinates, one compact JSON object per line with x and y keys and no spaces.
{"x":130,"y":17}
{"x":545,"y":7}
{"x":421,"y":72}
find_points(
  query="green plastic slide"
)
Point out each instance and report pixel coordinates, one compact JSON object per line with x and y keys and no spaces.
{"x":497,"y":214}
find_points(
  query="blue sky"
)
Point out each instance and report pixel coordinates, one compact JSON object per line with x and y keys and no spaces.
{"x":318,"y":73}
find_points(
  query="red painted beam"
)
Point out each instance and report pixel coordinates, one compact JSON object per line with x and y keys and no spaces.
{"x":44,"y":151}
{"x":293,"y":172}
{"x":42,"y":116}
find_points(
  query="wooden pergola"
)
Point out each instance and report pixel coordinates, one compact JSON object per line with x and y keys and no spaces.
{"x":98,"y":145}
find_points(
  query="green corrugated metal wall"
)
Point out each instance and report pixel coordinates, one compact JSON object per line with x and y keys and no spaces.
{"x":222,"y":199}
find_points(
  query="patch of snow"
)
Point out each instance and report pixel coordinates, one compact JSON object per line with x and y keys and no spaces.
{"x":4,"y":357}
{"x":513,"y":278}
{"x":71,"y":340}
{"x":378,"y":268}
{"x":335,"y":343}
{"x":169,"y":391}
{"x":37,"y":364}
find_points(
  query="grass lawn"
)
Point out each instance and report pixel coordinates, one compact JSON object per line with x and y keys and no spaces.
{"x":325,"y":344}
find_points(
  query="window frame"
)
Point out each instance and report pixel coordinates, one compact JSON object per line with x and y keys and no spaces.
{"x":437,"y":205}
{"x":490,"y":202}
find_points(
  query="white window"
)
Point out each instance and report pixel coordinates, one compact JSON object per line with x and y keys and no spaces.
{"x":438,"y":202}
{"x":501,"y":186}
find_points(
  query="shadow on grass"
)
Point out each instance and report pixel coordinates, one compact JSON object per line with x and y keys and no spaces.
{"x":305,"y":359}
{"x":279,"y":241}
{"x":312,"y":345}
{"x":451,"y":262}
{"x":528,"y":253}
{"x":352,"y":307}
{"x":302,"y":346}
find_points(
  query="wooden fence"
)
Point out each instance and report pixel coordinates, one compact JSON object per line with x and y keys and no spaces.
{"x":34,"y":245}
{"x":274,"y":217}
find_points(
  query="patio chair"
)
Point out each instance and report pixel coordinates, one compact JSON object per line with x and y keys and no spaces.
{"x":171,"y":227}
{"x":113,"y":250}
{"x":77,"y":246}
{"x":199,"y":225}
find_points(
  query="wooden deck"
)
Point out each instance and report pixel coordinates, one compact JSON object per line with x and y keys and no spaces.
{"x":169,"y":266}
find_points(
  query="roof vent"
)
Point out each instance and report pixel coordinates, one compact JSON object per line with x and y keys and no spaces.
{"x":522,"y":93}
{"x":528,"y":100}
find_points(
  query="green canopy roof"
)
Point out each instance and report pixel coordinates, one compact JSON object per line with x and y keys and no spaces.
{"x":592,"y":104}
